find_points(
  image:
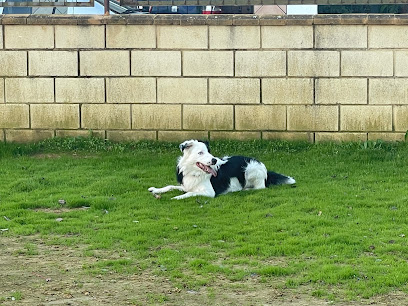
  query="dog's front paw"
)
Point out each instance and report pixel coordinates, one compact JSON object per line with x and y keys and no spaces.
{"x":180,"y":197}
{"x":153,"y":189}
{"x":154,"y":192}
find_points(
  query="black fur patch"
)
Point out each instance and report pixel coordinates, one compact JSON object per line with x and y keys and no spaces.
{"x":179,"y":176}
{"x":182,"y":147}
{"x":235,"y":167}
{"x":275,"y":179}
{"x":207,"y":144}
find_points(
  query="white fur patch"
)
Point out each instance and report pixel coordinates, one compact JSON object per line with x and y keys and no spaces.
{"x":255,"y":175}
{"x":195,"y":180}
{"x":234,"y":185}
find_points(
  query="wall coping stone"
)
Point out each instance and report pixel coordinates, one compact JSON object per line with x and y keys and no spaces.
{"x":222,"y":20}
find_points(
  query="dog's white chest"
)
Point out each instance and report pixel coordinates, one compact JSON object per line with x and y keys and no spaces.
{"x":199,"y":184}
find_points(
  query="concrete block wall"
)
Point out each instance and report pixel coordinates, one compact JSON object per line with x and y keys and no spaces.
{"x":316,"y":78}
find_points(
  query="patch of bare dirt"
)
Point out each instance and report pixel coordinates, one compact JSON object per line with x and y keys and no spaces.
{"x":46,"y":156}
{"x":59,"y":210}
{"x":54,"y":275}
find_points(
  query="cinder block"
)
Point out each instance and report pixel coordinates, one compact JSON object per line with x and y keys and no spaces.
{"x":208,"y":63}
{"x":182,"y":37}
{"x":14,"y":116}
{"x":131,"y":90}
{"x":260,"y":117}
{"x":313,"y":118}
{"x":26,"y":136}
{"x":287,"y":91}
{"x":260,"y":63}
{"x":401,"y":63}
{"x":390,"y":36}
{"x":387,"y":136}
{"x":53,"y":63}
{"x":105,"y":116}
{"x":388,"y":91}
{"x":341,"y":91}
{"x":234,"y":91}
{"x":80,"y":133}
{"x":235,"y":135}
{"x":13,"y":63}
{"x":55,"y":116}
{"x":366,"y":118}
{"x":287,"y":37}
{"x":29,"y":90}
{"x":208,"y":117}
{"x":219,"y":19}
{"x":125,"y":136}
{"x":80,"y":90}
{"x":1,"y":91}
{"x":80,"y":36}
{"x":181,"y":135}
{"x":366,"y":63}
{"x":340,"y":36}
{"x":14,"y":19}
{"x":131,"y":36}
{"x":156,"y":63}
{"x":313,"y":63}
{"x":29,"y":36}
{"x":182,"y":90}
{"x":105,"y":63}
{"x":1,"y":39}
{"x":290,"y":136}
{"x":235,"y":37}
{"x":2,"y":139}
{"x":401,"y":118}
{"x":340,"y":137}
{"x":156,"y":116}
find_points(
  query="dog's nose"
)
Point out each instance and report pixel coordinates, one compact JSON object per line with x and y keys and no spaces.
{"x":213,"y":161}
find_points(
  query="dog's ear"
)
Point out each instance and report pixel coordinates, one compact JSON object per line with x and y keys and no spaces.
{"x":185,"y":145}
{"x":207,"y":144}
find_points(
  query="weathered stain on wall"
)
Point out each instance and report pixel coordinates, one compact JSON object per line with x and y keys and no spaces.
{"x":171,"y":77}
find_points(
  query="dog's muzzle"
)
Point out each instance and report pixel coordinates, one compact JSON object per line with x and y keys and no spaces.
{"x":207,"y":169}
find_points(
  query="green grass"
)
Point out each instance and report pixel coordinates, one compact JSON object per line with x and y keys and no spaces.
{"x":340,"y":234}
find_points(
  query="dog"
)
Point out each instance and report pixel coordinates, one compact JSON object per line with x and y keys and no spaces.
{"x":201,"y":174}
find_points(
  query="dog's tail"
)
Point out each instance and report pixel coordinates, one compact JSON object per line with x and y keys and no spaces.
{"x":278,"y":179}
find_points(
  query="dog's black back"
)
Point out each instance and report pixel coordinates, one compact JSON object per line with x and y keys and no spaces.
{"x":235,"y":167}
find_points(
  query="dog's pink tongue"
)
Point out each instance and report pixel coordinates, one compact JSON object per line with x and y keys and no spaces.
{"x":212,"y":171}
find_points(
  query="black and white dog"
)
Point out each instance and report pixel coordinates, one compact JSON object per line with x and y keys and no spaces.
{"x":201,"y":174}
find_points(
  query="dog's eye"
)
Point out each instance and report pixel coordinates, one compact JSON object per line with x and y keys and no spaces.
{"x":200,"y":153}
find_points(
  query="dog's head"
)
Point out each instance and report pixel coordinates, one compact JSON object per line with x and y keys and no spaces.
{"x":196,"y":153}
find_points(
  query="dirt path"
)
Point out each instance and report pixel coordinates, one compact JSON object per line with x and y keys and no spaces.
{"x":54,"y":275}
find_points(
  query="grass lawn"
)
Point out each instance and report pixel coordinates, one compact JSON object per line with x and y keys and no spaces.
{"x":339,"y":235}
